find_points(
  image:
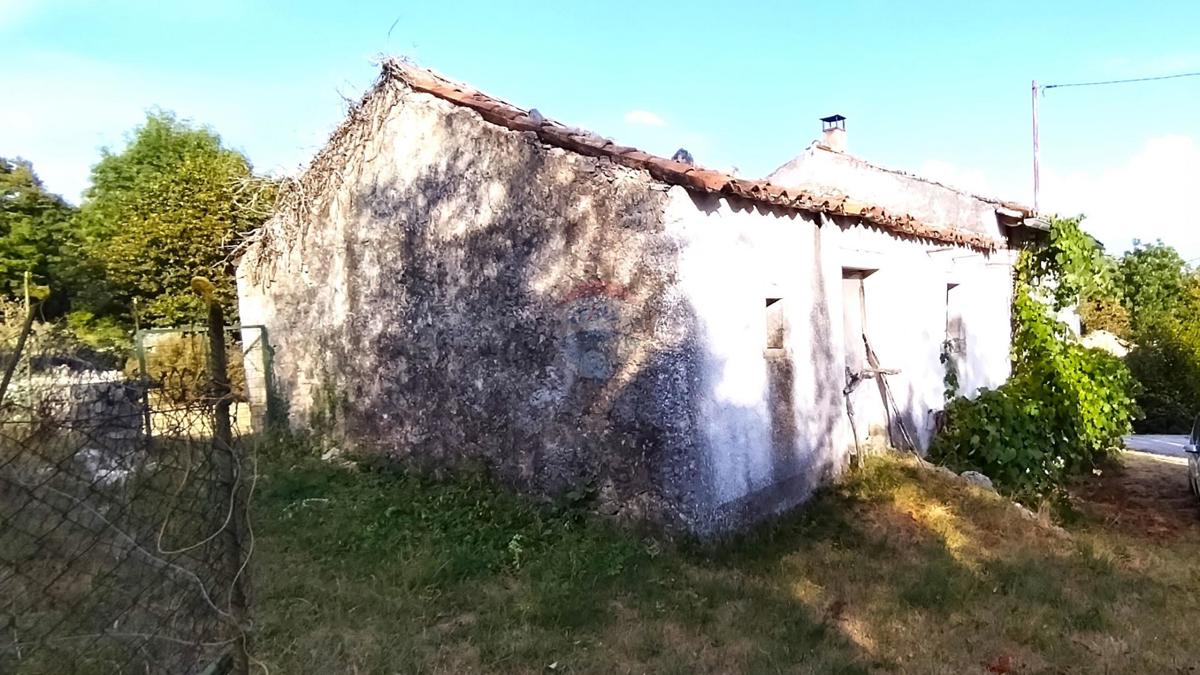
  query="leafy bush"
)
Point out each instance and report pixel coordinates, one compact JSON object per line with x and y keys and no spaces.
{"x":1155,"y":282}
{"x":1155,"y":304}
{"x":165,"y":208}
{"x":1032,"y":435}
{"x":52,"y":344}
{"x":102,"y":335}
{"x":1065,"y":407}
{"x":1104,"y":313}
{"x":1166,"y":362}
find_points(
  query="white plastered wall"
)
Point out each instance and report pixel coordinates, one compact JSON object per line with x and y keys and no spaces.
{"x":906,"y":317}
{"x":734,"y":256}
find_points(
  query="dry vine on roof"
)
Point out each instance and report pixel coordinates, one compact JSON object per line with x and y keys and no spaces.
{"x":301,"y":199}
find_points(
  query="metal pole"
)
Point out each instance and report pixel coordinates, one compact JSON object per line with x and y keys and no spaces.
{"x":1037,"y":180}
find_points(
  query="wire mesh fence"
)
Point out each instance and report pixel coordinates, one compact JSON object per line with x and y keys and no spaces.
{"x":123,"y":526}
{"x":176,"y":361}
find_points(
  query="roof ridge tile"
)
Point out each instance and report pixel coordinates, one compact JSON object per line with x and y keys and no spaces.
{"x":505,"y":114}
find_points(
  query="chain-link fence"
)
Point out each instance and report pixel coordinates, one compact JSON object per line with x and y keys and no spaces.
{"x":123,"y":523}
{"x":175,"y":360}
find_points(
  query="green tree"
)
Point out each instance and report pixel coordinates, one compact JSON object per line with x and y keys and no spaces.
{"x":1166,"y":363}
{"x":166,"y":208}
{"x":36,"y":235}
{"x":1154,"y":281}
{"x":1161,"y":297}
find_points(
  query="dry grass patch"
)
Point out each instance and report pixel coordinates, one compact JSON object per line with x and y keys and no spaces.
{"x":897,"y":569}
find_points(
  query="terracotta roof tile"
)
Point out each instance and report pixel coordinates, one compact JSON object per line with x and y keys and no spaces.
{"x":669,"y":171}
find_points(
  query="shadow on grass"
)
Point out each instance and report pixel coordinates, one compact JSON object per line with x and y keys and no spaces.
{"x":910,"y":547}
{"x":387,"y":570}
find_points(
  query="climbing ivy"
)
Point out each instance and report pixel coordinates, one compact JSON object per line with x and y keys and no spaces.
{"x":950,"y":379}
{"x":1065,"y":406}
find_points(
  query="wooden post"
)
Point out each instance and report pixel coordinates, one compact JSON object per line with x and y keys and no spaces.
{"x":29,"y":361}
{"x":219,"y":376}
{"x":11,"y":367}
{"x":139,"y":348}
{"x":232,"y":468}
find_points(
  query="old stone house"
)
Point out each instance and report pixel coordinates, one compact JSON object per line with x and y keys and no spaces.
{"x":455,"y":279}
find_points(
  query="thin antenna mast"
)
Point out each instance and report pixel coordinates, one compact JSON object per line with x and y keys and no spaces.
{"x":1037,"y":179}
{"x":1037,"y":187}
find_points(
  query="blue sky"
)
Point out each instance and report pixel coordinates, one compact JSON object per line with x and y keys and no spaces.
{"x":938,"y":88}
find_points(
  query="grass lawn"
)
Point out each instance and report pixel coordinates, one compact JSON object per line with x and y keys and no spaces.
{"x":895,"y":569}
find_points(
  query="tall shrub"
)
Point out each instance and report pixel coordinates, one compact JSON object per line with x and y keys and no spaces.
{"x":1161,"y":293}
{"x":1065,"y":406}
{"x":1166,"y":363}
{"x":163,"y":210}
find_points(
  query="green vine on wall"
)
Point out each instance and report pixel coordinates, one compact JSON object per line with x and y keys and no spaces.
{"x":950,"y":379}
{"x":1066,"y":406}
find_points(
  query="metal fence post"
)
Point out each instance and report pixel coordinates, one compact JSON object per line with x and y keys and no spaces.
{"x":276,"y":421}
{"x":139,"y":350}
{"x":233,"y":468}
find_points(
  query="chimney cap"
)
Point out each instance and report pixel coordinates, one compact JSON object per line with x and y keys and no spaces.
{"x":833,"y":122}
{"x":682,"y":155}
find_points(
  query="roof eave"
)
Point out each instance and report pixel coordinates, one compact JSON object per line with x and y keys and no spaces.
{"x":668,"y":171}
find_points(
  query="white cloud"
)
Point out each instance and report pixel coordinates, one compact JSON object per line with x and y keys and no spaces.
{"x":1146,"y":196}
{"x":644,"y":118}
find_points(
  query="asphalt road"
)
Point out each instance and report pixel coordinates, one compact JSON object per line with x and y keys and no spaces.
{"x":1158,"y":444}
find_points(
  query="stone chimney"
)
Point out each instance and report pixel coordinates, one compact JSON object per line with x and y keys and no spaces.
{"x":833,"y":129}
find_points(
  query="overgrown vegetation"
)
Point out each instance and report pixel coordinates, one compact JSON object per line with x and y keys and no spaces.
{"x":896,"y":569}
{"x":50,"y":344}
{"x":1166,"y":361}
{"x":35,"y":236}
{"x":1161,"y":295}
{"x":179,"y":364}
{"x":161,"y":211}
{"x":1065,"y":407}
{"x":165,"y":208}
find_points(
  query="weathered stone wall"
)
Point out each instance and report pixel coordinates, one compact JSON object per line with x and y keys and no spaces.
{"x":102,"y":404}
{"x":470,"y":295}
{"x":96,"y":417}
{"x":479,"y":296}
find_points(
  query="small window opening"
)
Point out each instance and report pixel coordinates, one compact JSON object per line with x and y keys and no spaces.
{"x":776,"y":324}
{"x":854,"y":317}
{"x":956,"y":334}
